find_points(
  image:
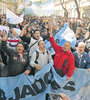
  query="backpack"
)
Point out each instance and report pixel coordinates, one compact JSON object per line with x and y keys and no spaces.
{"x":33,"y":68}
{"x":37,"y":55}
{"x":28,"y":50}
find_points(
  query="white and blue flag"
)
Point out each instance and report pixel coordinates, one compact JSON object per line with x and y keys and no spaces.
{"x":65,"y":34}
{"x":13,"y":18}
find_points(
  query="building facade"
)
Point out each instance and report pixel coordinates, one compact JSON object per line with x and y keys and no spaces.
{"x":85,"y":8}
{"x":14,"y":5}
{"x":6,"y":4}
{"x":19,"y":6}
{"x":70,"y":6}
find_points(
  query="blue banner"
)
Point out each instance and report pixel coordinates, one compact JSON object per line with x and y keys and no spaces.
{"x":25,"y":87}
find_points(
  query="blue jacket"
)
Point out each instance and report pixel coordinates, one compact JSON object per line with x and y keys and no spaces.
{"x":85,"y":61}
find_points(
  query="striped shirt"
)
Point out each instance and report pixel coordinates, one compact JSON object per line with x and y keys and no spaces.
{"x":12,"y":41}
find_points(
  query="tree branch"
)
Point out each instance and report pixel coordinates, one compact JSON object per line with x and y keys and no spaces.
{"x":62,"y":2}
{"x":77,"y":8}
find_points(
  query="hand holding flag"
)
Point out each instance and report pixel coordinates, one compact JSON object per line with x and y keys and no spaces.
{"x":65,"y":34}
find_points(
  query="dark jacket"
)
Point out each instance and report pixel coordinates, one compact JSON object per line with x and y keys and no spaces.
{"x":61,"y":56}
{"x":15,"y":65}
{"x":85,"y":61}
{"x":3,"y":56}
{"x":45,"y":37}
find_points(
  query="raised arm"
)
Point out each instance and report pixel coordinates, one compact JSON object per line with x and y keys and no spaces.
{"x":51,"y":39}
{"x":50,"y":30}
{"x":23,"y":30}
{"x":23,"y":36}
{"x":4,"y":45}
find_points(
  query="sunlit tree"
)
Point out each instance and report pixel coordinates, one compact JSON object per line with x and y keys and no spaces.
{"x":77,"y":8}
{"x":65,"y":10}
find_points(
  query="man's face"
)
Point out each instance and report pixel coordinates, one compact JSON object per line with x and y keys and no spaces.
{"x":62,"y":23}
{"x":83,"y":31}
{"x":15,"y":33}
{"x":66,"y":46}
{"x":45,"y":32}
{"x":29,"y":29}
{"x":78,"y":31}
{"x":42,"y":45}
{"x":20,"y":48}
{"x":37,"y":34}
{"x":11,"y":30}
{"x":81,"y":49}
{"x":28,"y":35}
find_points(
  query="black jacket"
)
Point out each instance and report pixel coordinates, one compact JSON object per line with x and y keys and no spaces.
{"x":15,"y":65}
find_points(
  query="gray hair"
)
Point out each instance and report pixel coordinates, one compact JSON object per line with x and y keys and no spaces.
{"x":81,"y":43}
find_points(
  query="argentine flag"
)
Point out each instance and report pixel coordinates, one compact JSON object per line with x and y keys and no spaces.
{"x":65,"y":34}
{"x":13,"y":18}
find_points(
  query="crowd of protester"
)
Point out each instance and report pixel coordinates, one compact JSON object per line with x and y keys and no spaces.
{"x":27,"y":53}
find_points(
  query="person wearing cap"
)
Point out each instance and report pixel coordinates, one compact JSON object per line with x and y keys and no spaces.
{"x":82,"y":59}
{"x":18,"y":59}
{"x":62,"y":54}
{"x":45,"y":35}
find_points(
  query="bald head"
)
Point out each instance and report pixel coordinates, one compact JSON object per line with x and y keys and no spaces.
{"x":67,"y":46}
